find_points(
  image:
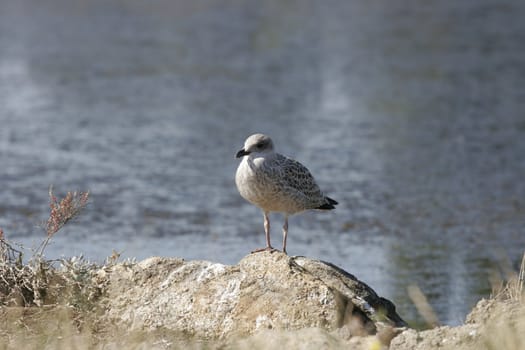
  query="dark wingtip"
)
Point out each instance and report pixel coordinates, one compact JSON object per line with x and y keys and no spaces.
{"x":329,"y":205}
{"x":331,"y":201}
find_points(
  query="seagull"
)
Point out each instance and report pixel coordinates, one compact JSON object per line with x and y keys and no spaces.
{"x":276,"y":183}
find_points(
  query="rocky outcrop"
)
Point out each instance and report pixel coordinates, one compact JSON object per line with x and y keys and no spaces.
{"x":267,"y":301}
{"x":264,"y":291}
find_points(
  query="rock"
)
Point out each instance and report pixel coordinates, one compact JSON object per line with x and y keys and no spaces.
{"x":463,"y":337}
{"x":487,"y":310}
{"x":265,"y":291}
{"x":492,"y":324}
{"x":306,"y":338}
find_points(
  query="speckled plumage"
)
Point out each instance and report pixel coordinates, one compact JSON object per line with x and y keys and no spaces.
{"x":276,"y":183}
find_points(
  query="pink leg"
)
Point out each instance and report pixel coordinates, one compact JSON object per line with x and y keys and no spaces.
{"x":267,"y":233}
{"x":285,"y":232}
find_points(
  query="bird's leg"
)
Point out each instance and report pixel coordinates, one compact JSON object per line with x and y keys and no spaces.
{"x":267,"y":229}
{"x":285,"y":232}
{"x":267,"y":233}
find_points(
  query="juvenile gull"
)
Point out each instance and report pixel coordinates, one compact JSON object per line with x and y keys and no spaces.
{"x":276,"y":183}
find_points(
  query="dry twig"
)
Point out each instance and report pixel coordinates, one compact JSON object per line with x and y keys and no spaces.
{"x":61,"y":213}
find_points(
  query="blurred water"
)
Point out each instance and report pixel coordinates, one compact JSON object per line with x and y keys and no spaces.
{"x":410,"y":114}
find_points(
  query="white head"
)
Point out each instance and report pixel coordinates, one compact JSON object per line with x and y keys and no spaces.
{"x":256,"y":143}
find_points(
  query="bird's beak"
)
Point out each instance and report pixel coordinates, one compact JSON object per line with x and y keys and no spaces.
{"x":241,"y":153}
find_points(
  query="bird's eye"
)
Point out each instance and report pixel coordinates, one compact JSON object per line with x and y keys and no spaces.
{"x":260,"y":145}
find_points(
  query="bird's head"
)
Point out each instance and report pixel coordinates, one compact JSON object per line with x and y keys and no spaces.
{"x":257,"y":144}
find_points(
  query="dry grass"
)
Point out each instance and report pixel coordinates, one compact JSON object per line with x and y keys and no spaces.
{"x":38,"y":282}
{"x":47,"y":304}
{"x":507,"y":326}
{"x":44,"y":306}
{"x":423,"y":306}
{"x":513,"y":288}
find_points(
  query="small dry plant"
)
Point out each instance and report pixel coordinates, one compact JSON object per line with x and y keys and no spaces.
{"x":25,"y":284}
{"x":61,"y":213}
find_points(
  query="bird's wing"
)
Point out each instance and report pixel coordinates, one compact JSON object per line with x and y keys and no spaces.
{"x":297,"y":177}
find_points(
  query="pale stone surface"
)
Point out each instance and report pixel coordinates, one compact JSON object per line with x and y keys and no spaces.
{"x":492,"y":324}
{"x":462,"y":337}
{"x":304,"y":339}
{"x":265,"y":291}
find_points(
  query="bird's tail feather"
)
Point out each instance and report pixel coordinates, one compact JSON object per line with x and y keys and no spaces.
{"x":330,"y":204}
